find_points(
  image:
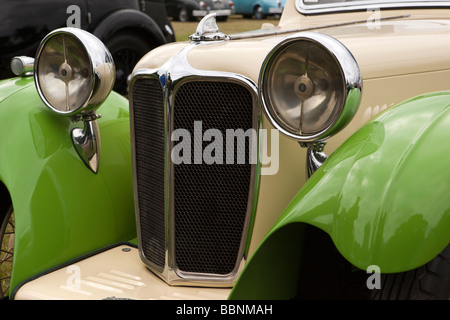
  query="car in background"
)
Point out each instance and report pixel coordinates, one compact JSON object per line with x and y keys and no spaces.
{"x":190,"y":10}
{"x":259,"y":9}
{"x":128,"y":28}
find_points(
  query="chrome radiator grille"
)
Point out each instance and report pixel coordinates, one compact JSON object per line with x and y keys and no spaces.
{"x":192,"y":218}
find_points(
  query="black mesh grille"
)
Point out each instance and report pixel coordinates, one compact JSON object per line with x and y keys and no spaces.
{"x":210,"y":200}
{"x":148,"y":114}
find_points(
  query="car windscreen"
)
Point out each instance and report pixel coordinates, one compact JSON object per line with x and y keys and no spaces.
{"x":327,"y":6}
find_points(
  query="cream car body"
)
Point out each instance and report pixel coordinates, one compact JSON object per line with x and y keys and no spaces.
{"x":401,"y":57}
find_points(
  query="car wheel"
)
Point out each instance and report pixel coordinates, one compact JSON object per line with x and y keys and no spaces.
{"x":258,"y":13}
{"x":222,"y":18}
{"x":126,"y":49}
{"x":7,"y":250}
{"x":428,"y":282}
{"x":183,"y":15}
{"x":326,"y":274}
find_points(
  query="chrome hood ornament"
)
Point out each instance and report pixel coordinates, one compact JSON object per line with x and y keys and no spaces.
{"x":208,"y":30}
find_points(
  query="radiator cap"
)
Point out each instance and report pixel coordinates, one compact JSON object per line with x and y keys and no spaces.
{"x":207,"y":30}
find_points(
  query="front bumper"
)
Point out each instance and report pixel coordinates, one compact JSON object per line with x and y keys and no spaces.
{"x":219,"y":13}
{"x":275,"y":10}
{"x":117,"y":273}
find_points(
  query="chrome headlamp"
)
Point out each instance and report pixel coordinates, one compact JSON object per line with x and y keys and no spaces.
{"x":74,"y":74}
{"x":310,"y":86}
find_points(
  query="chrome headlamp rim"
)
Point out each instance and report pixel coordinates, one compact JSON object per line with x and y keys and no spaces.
{"x":98,"y":55}
{"x":351,"y":77}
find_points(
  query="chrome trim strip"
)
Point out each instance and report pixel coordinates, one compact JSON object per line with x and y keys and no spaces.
{"x":365,"y":5}
{"x":172,"y":75}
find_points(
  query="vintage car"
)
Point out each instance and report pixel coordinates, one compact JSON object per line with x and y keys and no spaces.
{"x":191,"y":10}
{"x":259,"y":9}
{"x":304,"y":160}
{"x":128,"y":28}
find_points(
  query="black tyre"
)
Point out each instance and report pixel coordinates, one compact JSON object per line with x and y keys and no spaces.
{"x":258,"y":13}
{"x":126,"y":49}
{"x":326,"y":274}
{"x":7,"y":249}
{"x":428,"y":282}
{"x":184,"y":15}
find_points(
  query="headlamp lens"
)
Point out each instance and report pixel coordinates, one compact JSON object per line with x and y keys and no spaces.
{"x":304,"y":85}
{"x":65,"y":73}
{"x":310,"y":85}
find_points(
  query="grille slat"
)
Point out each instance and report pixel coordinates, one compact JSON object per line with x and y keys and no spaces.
{"x":209,"y":201}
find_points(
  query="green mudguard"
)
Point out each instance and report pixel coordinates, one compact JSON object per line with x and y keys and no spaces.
{"x":382,"y":197}
{"x":62,"y":209}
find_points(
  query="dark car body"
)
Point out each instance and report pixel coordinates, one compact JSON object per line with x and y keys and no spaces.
{"x":129,"y":28}
{"x":189,"y":10}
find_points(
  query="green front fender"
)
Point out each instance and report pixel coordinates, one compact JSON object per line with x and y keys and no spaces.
{"x":382,"y":197}
{"x":62,"y":209}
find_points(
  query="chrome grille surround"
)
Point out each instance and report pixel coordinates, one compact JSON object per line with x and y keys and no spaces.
{"x":173,"y":75}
